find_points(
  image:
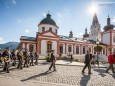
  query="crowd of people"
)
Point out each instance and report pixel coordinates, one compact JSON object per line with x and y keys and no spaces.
{"x":24,"y":58}
{"x":89,"y":58}
{"x":19,"y":58}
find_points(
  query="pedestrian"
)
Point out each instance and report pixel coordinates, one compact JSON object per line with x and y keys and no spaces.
{"x":26,"y":58}
{"x":88,"y":60}
{"x":71,"y":58}
{"x":53,"y":60}
{"x":111,"y":62}
{"x":0,"y":56}
{"x":36,"y":58}
{"x":31,"y":59}
{"x":20,"y":59}
{"x":6,"y":56}
{"x":93,"y":60}
{"x":13,"y":57}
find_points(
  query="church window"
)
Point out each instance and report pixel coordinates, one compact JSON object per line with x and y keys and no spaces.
{"x":113,"y":38}
{"x":49,"y":46}
{"x":77,"y":49}
{"x":83,"y":49}
{"x":103,"y":51}
{"x":69,"y":48}
{"x":43,"y":29}
{"x":50,"y":29}
{"x":56,"y":31}
{"x":31,"y":48}
{"x":61,"y":49}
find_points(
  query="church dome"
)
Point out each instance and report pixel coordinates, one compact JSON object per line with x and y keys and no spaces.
{"x":109,"y":25}
{"x":48,"y":20}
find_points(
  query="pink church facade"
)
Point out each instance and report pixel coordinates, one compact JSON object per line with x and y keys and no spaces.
{"x":47,"y":39}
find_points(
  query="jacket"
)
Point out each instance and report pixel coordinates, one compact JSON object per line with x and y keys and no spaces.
{"x":52,"y":57}
{"x":110,"y":59}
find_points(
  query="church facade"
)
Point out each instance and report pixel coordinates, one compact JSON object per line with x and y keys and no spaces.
{"x":47,"y":39}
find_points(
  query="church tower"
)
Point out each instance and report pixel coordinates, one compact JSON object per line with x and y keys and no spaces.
{"x":95,"y":33}
{"x":71,"y":34}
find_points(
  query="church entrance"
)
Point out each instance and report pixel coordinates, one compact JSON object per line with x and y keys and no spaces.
{"x":49,"y":46}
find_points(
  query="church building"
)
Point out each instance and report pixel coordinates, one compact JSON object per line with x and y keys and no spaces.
{"x":47,"y":39}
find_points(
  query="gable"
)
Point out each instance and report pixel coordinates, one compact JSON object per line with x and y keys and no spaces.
{"x":48,"y":34}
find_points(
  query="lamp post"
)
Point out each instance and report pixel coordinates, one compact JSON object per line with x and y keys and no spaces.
{"x":97,"y":42}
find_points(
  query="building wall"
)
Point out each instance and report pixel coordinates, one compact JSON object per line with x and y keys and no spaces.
{"x":44,"y":47}
{"x":106,"y":38}
{"x":46,"y":27}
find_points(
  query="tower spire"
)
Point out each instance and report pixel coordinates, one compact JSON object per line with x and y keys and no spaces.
{"x":108,"y":20}
{"x":95,"y":19}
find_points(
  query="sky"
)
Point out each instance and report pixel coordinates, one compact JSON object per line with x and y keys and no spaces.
{"x":21,"y":17}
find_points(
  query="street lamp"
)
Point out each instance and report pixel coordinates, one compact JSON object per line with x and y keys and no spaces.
{"x":97,"y":42}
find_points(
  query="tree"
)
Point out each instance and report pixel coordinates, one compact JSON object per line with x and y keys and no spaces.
{"x":98,"y":48}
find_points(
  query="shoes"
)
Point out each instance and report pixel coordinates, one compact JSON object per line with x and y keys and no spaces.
{"x":7,"y":72}
{"x":83,"y":72}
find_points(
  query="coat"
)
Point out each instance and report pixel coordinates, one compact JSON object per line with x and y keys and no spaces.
{"x":88,"y":58}
{"x":111,"y":59}
{"x":52,"y":57}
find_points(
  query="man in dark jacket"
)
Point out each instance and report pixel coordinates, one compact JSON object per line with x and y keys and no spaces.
{"x":88,"y":59}
{"x":26,"y":55}
{"x":6,"y":56}
{"x":53,"y":59}
{"x":20,"y":59}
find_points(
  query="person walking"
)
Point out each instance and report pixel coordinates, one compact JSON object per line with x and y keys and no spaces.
{"x":26,"y":55}
{"x":31,"y":59}
{"x":20,"y":59}
{"x":111,"y":62}
{"x":6,"y":56}
{"x":14,"y":57}
{"x":0,"y":56}
{"x":71,"y":58}
{"x":53,"y":60}
{"x":88,"y":60}
{"x":36,"y":58}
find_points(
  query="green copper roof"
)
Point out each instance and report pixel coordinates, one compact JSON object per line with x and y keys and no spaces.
{"x":48,"y":20}
{"x":108,"y":27}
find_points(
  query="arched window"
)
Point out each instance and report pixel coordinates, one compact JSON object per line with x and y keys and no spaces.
{"x":31,"y":48}
{"x":69,"y":48}
{"x":61,"y":49}
{"x":77,"y":49}
{"x":83,"y":49}
{"x":43,"y":29}
{"x":56,"y":31}
{"x":49,"y":46}
{"x":50,"y":29}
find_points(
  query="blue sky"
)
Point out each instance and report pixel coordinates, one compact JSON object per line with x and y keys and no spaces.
{"x":21,"y":17}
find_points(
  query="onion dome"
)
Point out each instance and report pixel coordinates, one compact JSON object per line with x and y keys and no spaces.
{"x":109,"y":25}
{"x":86,"y":34}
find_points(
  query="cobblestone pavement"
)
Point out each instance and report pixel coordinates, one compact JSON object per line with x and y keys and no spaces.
{"x":64,"y":76}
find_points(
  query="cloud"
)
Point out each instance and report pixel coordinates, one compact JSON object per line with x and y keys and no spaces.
{"x":14,"y":2}
{"x":44,"y":14}
{"x":113,"y":20}
{"x":27,"y":31}
{"x":2,"y":40}
{"x":80,"y":35}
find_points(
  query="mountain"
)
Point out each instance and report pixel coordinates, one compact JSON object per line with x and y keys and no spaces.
{"x":12,"y":45}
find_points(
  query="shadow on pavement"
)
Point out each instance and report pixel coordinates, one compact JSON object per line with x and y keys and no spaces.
{"x":84,"y":80}
{"x":100,"y":71}
{"x":35,"y":76}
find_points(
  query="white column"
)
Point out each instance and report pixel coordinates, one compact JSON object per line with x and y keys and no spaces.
{"x":23,"y":45}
